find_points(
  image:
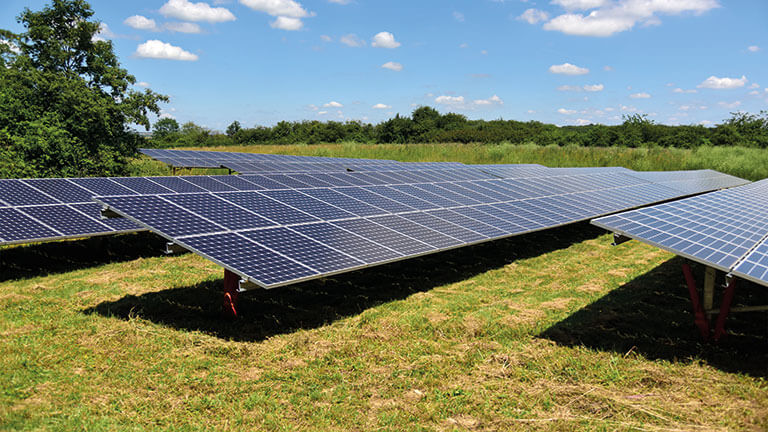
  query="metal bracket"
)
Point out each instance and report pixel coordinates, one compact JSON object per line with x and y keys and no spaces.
{"x":619,"y":239}
{"x":246,"y":285}
{"x":108,"y":213}
{"x":172,"y":248}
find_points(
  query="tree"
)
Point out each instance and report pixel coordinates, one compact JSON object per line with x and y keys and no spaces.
{"x":233,"y":128}
{"x":65,"y":102}
{"x":165,"y":127}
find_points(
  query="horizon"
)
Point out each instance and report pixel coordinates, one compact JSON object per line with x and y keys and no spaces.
{"x":583,"y":61}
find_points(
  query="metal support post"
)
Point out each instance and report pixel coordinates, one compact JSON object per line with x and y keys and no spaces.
{"x":725,"y":308}
{"x":709,"y":287}
{"x":231,"y":293}
{"x":700,"y":318}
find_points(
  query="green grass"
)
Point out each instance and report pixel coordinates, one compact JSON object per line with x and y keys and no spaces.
{"x":748,"y":163}
{"x":555,"y":330}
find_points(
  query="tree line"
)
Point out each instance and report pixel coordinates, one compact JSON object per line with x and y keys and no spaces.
{"x":427,"y":125}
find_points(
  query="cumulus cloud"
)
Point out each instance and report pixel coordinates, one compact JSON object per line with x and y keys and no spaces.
{"x":609,"y":17}
{"x":564,"y":111}
{"x":286,"y":8}
{"x":450,"y":100}
{"x":157,"y":49}
{"x":533,"y":16}
{"x":716,"y":83}
{"x":352,"y":40}
{"x":729,"y":105}
{"x":183,"y":27}
{"x":142,"y":84}
{"x":594,"y":87}
{"x":333,"y":104}
{"x":568,"y":88}
{"x":458,"y":16}
{"x":397,"y":67}
{"x":188,"y":11}
{"x":679,"y":90}
{"x":341,"y":2}
{"x":326,"y":38}
{"x":385,"y":40}
{"x":140,"y":22}
{"x":753,"y":48}
{"x":103,"y":34}
{"x":493,"y":100}
{"x":568,"y":69}
{"x":287,"y":23}
{"x":381,"y":106}
{"x":642,"y":95}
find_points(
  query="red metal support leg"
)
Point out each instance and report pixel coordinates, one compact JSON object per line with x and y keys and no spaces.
{"x":700,"y":318}
{"x":231,"y":286}
{"x":725,"y":308}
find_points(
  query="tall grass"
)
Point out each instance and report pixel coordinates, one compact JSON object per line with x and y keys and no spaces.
{"x":743,"y":162}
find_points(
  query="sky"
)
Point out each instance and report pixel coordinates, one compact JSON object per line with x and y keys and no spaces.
{"x":567,"y":62}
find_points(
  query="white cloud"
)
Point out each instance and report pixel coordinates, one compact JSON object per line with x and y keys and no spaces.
{"x":11,"y":46}
{"x":285,"y":8}
{"x":385,"y":40}
{"x":754,"y":86}
{"x":754,"y":93}
{"x":533,"y":16}
{"x":188,"y":11}
{"x":594,"y":87}
{"x":458,"y":16}
{"x":341,"y":2}
{"x":450,"y":100}
{"x":103,"y":34}
{"x":140,"y":22}
{"x":729,"y":105}
{"x":381,"y":106}
{"x":583,"y":122}
{"x":333,"y":104}
{"x":679,"y":90}
{"x":397,"y":67}
{"x":326,"y":38}
{"x":716,"y":83}
{"x":564,"y":111}
{"x":753,"y":48}
{"x":493,"y":100}
{"x":642,"y":95}
{"x":580,"y":4}
{"x":610,"y":17}
{"x":608,"y":68}
{"x":352,"y":40}
{"x":183,"y":27}
{"x":568,"y":69}
{"x":142,"y":84}
{"x":629,"y":108}
{"x":464,"y":45}
{"x":322,"y":112}
{"x":160,"y":50}
{"x":166,"y":115}
{"x":568,"y":88}
{"x":287,"y":23}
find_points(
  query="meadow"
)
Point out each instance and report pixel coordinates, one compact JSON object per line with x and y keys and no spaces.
{"x":556,"y":330}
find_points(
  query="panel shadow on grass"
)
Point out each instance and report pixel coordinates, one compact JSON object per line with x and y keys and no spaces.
{"x":315,"y":303}
{"x":652,"y":316}
{"x":41,"y":259}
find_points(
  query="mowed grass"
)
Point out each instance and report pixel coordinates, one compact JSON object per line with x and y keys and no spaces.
{"x":550,"y":331}
{"x":748,"y":163}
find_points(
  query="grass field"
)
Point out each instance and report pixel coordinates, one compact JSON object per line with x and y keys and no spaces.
{"x":556,"y":330}
{"x":748,"y":163}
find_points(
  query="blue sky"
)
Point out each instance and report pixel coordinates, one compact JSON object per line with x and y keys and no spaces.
{"x":557,"y":61}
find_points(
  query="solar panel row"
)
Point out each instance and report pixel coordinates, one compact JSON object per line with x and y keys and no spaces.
{"x":278,"y":237}
{"x":726,"y":230}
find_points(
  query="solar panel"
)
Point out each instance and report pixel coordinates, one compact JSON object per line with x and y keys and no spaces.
{"x":725,"y":229}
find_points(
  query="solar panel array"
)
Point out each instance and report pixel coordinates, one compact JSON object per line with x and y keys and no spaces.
{"x":275,"y":237}
{"x":727,"y":229}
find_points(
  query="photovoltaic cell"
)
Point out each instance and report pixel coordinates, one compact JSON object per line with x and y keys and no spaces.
{"x":17,"y":226}
{"x":353,"y":244}
{"x":67,"y":221}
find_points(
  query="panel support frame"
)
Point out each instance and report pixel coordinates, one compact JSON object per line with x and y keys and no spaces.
{"x":701,"y":311}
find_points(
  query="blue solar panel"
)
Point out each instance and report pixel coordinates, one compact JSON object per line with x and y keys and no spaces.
{"x":309,"y":205}
{"x":14,"y":192}
{"x":268,"y":208}
{"x":142,"y":185}
{"x":16,"y":226}
{"x":303,"y":249}
{"x":434,"y":199}
{"x":209,"y":184}
{"x":225,"y":213}
{"x":101,"y":186}
{"x":162,"y":215}
{"x":344,"y":202}
{"x":464,"y":235}
{"x":176,"y":184}
{"x":384,"y":236}
{"x":402,"y":197}
{"x":61,"y":189}
{"x":468,"y":223}
{"x":248,"y":258}
{"x":375,"y":199}
{"x":343,"y":240}
{"x":67,"y":221}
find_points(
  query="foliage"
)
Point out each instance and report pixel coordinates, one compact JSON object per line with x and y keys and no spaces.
{"x":427,"y":125}
{"x":65,"y":102}
{"x":165,"y":127}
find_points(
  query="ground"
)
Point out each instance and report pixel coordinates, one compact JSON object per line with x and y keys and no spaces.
{"x":556,"y":330}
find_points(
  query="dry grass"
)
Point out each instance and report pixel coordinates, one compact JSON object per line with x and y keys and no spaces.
{"x":552,"y":331}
